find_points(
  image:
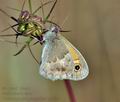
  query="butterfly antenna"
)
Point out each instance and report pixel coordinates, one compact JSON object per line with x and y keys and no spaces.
{"x":30,"y":6}
{"x":33,"y":54}
{"x":50,"y":11}
{"x":13,"y":18}
{"x":41,"y":7}
{"x":65,"y":31}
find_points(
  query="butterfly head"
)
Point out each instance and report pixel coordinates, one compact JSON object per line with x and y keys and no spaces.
{"x":52,"y":34}
{"x":55,"y":29}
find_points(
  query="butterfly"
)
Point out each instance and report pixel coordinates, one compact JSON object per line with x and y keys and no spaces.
{"x":60,"y":59}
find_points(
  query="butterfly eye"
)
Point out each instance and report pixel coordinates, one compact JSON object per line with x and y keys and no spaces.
{"x":55,"y":29}
{"x":77,"y":67}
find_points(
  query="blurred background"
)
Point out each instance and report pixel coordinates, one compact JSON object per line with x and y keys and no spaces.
{"x":95,"y":31}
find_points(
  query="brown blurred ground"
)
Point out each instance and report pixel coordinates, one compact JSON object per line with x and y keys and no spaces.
{"x":95,"y":31}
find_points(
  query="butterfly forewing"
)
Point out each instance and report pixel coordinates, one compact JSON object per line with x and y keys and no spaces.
{"x":80,"y":70}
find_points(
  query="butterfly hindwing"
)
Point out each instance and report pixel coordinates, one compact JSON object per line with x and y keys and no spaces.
{"x":61,"y":60}
{"x":57,"y":62}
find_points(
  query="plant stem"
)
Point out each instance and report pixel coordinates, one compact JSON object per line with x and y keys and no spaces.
{"x":70,"y":91}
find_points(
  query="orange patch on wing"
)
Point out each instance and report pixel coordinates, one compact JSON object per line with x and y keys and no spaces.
{"x":74,"y":55}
